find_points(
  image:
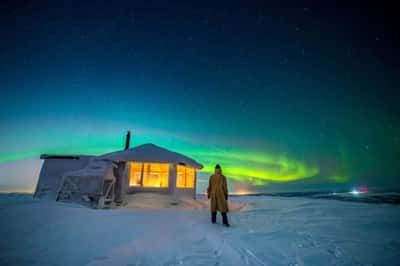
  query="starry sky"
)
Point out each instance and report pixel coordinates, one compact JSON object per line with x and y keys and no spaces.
{"x":283,"y":98}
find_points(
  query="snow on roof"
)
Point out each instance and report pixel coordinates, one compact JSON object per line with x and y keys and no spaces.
{"x":64,"y":156}
{"x":151,"y":153}
{"x":94,"y":168}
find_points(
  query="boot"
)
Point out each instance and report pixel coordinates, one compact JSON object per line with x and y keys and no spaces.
{"x":225,"y":219}
{"x":213,"y":217}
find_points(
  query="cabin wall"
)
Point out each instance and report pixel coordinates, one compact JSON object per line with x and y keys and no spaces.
{"x":52,"y":172}
{"x":120,"y":184}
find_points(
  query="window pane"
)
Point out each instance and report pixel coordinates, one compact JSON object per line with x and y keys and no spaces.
{"x":180,"y":176}
{"x":190,"y":172}
{"x":136,"y":172}
{"x":184,"y":177}
{"x":155,"y":174}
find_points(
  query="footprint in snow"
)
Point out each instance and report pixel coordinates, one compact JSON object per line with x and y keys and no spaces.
{"x":217,"y":253}
{"x":336,"y":252}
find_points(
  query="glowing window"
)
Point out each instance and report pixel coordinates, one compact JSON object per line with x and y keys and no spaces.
{"x":155,"y":174}
{"x":184,"y":177}
{"x":135,"y":174}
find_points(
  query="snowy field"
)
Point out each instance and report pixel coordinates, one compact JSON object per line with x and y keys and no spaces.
{"x":275,"y":231}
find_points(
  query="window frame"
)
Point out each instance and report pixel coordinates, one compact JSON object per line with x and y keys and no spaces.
{"x":185,"y":176}
{"x":142,"y":173}
{"x":140,"y":177}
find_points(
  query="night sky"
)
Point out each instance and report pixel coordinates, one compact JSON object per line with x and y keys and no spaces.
{"x":283,"y":98}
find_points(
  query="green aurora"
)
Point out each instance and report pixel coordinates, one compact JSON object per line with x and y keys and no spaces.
{"x":255,"y":167}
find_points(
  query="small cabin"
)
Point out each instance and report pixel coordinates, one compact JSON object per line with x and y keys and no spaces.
{"x":107,"y":178}
{"x":150,"y":168}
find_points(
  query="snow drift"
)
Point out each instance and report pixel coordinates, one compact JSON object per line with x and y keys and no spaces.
{"x":276,"y":231}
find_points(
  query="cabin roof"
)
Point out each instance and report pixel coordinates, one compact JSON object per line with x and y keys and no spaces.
{"x":150,"y":153}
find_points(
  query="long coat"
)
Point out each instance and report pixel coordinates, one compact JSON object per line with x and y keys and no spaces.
{"x":218,"y":192}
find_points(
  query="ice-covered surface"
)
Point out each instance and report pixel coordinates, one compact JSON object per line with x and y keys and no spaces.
{"x":94,"y":168}
{"x":156,"y":201}
{"x":276,"y":231}
{"x":378,"y":197}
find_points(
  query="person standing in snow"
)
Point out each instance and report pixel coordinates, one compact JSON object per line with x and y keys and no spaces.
{"x":217,"y":191}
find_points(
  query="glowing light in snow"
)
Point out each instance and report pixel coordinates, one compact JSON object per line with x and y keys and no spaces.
{"x":242,"y":192}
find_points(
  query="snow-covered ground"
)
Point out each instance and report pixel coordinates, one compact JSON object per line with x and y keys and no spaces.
{"x":275,"y":231}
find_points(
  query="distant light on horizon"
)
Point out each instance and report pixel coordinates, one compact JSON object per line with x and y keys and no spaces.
{"x":358,"y":190}
{"x":242,"y":192}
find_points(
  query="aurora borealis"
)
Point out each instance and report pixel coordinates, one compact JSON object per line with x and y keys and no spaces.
{"x":283,"y":98}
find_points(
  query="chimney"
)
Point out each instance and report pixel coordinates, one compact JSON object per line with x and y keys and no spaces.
{"x":128,"y":140}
